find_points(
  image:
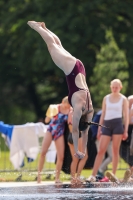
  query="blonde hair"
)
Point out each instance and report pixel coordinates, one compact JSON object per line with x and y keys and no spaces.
{"x":65,"y":99}
{"x":117,"y":81}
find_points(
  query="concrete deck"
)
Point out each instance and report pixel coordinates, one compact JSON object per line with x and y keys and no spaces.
{"x":52,"y":183}
{"x":26,"y":184}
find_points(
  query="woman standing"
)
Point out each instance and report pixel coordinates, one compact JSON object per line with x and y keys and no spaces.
{"x":55,"y":132}
{"x":114,"y":107}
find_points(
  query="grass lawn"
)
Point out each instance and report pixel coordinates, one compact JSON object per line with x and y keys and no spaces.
{"x":29,"y":171}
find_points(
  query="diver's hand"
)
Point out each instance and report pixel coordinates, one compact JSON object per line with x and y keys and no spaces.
{"x":79,"y":155}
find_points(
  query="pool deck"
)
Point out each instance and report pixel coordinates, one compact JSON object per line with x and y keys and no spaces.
{"x":52,"y":183}
{"x":26,"y":184}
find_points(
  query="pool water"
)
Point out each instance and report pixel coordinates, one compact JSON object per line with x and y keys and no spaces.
{"x":66,"y":192}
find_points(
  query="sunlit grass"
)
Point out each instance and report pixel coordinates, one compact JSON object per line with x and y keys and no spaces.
{"x":29,"y":171}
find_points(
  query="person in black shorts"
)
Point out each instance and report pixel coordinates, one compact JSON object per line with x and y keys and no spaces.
{"x":113,"y":107}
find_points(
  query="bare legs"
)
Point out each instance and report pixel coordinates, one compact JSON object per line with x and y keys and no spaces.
{"x":116,"y":141}
{"x":107,"y":160}
{"x":77,"y":165}
{"x":59,"y":143}
{"x":60,"y":146}
{"x":45,"y":145}
{"x":103,"y":144}
{"x":60,"y":56}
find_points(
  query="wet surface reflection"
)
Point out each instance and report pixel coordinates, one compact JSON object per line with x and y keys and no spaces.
{"x":67,"y":192}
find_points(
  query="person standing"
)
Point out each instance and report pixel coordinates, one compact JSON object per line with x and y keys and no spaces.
{"x":55,"y":132}
{"x":114,"y":107}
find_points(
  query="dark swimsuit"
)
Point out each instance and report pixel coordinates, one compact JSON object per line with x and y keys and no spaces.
{"x":78,"y":68}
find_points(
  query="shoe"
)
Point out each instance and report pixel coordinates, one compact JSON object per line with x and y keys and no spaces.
{"x":127,"y":176}
{"x":100,"y":174}
{"x":98,"y":178}
{"x":112,"y":177}
{"x":105,"y":179}
{"x":91,"y":179}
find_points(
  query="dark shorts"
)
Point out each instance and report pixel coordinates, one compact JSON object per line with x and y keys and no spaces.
{"x":115,"y":127}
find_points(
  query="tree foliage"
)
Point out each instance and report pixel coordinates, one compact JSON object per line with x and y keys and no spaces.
{"x":111,"y":64}
{"x":29,"y":80}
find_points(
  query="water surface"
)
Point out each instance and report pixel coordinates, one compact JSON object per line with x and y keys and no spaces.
{"x":67,"y":192}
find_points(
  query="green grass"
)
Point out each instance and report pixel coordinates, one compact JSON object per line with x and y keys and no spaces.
{"x":31,"y":176}
{"x":29,"y":171}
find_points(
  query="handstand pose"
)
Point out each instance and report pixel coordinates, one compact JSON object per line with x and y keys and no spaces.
{"x":79,"y":96}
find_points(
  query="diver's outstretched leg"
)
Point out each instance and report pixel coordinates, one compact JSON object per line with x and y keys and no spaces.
{"x":42,"y":30}
{"x":61,"y":57}
{"x":56,"y":38}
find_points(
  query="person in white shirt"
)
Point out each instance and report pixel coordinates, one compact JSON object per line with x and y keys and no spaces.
{"x":114,"y":108}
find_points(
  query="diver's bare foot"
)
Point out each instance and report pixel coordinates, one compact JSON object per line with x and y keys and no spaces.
{"x":34,"y":25}
{"x":43,"y":25}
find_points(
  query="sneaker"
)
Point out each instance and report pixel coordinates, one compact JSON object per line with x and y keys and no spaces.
{"x":112,"y":177}
{"x":91,"y":179}
{"x":100,"y":174}
{"x":98,"y":178}
{"x":127,"y":176}
{"x":105,"y":179}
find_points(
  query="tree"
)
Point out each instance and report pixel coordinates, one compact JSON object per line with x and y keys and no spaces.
{"x":111,"y":63}
{"x":29,"y":80}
